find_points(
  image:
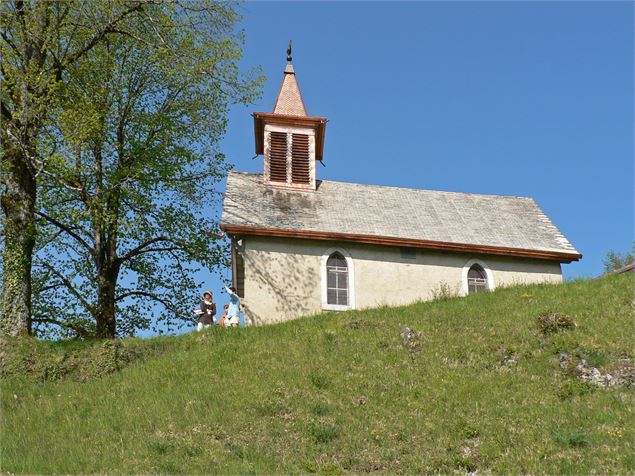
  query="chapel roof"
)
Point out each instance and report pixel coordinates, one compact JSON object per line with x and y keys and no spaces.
{"x":451,"y":221}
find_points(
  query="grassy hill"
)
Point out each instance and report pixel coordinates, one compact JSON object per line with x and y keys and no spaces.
{"x":480,"y":390}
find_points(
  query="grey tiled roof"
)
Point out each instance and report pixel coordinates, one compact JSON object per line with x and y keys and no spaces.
{"x":427,"y":215}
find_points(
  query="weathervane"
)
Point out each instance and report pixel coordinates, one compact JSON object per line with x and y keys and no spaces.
{"x":289,"y":53}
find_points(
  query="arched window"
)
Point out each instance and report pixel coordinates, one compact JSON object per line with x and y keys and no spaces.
{"x":336,"y":280}
{"x":476,"y":279}
{"x":338,"y":290}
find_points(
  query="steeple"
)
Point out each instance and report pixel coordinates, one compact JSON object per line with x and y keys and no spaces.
{"x":290,"y":140}
{"x":289,"y":100}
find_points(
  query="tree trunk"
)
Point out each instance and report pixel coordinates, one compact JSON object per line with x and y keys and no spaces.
{"x":106,"y":318}
{"x":18,"y":204}
{"x":106,"y":322}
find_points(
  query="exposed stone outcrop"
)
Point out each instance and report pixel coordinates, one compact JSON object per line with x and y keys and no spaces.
{"x":622,"y":375}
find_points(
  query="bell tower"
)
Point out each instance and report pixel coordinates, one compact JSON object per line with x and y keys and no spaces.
{"x":290,"y":140}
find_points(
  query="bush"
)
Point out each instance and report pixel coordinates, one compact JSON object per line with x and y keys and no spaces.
{"x":615,"y":260}
{"x":551,"y":322}
{"x":320,"y":381}
{"x":323,"y":432}
{"x":48,"y":361}
{"x":571,"y":389}
{"x":571,"y":439}
{"x":443,"y":291}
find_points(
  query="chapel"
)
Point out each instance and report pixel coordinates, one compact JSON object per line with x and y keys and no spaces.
{"x":303,"y":245}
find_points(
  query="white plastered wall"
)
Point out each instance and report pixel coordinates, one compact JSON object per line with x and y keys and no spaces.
{"x":283,"y":277}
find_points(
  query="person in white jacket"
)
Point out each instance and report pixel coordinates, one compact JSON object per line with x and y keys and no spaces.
{"x":233,"y":312}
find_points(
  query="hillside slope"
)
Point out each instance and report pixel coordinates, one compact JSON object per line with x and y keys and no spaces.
{"x":480,"y":390}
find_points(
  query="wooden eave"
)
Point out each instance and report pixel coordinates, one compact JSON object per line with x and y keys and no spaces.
{"x":562,"y":257}
{"x":263,"y":118}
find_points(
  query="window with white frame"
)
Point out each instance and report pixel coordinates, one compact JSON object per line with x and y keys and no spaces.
{"x":476,"y":277}
{"x":338,"y":289}
{"x":336,"y":280}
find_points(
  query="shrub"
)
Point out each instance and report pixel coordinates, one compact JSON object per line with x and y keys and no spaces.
{"x":551,"y":322}
{"x":84,"y":361}
{"x":615,"y":260}
{"x":443,"y":291}
{"x":571,"y":389}
{"x":320,"y":409}
{"x":595,"y":357}
{"x":320,"y":381}
{"x":323,"y":432}
{"x":572,"y":439}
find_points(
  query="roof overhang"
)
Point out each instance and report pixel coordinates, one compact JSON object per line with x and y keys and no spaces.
{"x":560,"y":256}
{"x":263,"y":118}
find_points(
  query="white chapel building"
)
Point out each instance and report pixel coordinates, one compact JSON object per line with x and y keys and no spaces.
{"x":302,"y":246}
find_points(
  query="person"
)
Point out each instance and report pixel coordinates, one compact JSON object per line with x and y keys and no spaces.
{"x":222,"y":319}
{"x":233,"y":311}
{"x":208,"y":312}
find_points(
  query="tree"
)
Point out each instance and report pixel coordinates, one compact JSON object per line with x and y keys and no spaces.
{"x":615,"y":260}
{"x":133,"y":159}
{"x":40,"y":42}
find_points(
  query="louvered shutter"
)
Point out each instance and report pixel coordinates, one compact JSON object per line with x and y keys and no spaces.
{"x":300,"y":159}
{"x":278,"y":156}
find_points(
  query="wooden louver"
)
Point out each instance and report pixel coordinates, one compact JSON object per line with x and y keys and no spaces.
{"x":300,"y":159}
{"x":278,"y":157}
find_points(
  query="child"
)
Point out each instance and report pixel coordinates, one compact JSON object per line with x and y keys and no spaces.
{"x":233,"y":312}
{"x":224,"y":316}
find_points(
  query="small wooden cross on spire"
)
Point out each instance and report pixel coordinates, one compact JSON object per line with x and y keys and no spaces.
{"x":289,"y":53}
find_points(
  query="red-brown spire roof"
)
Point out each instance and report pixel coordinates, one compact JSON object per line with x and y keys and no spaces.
{"x":289,"y":110}
{"x":289,"y":101}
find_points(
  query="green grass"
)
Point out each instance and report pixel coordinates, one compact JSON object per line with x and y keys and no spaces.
{"x":337,"y":393}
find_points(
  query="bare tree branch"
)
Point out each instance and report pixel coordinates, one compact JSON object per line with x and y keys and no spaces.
{"x":136,"y":6}
{"x":10,"y":43}
{"x":65,"y":325}
{"x":142,"y":247}
{"x":155,"y":297}
{"x":68,"y":230}
{"x":51,"y":286}
{"x":71,"y":288}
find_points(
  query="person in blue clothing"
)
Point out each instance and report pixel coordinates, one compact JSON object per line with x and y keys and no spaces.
{"x":233,"y":312}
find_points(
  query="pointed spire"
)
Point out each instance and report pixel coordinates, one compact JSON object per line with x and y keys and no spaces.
{"x":289,"y":101}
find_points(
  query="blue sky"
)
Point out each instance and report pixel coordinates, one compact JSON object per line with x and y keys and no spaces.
{"x":510,"y":98}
